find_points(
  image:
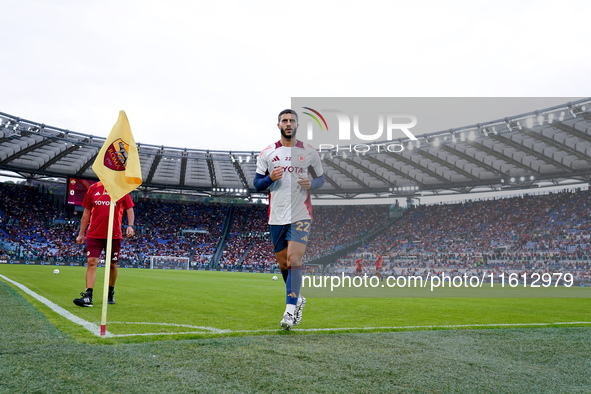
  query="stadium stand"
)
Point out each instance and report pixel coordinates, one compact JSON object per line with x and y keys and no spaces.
{"x":249,"y":245}
{"x":32,"y":228}
{"x":525,"y":233}
{"x":175,"y":229}
{"x":337,"y":226}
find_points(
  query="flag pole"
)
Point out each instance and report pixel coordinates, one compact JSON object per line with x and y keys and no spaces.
{"x":117,"y":165}
{"x":107,"y":266}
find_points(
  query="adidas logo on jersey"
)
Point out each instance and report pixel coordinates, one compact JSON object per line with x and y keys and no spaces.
{"x":276,"y":158}
{"x":97,"y":194}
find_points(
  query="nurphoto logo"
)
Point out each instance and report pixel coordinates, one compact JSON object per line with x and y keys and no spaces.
{"x":389,"y":126}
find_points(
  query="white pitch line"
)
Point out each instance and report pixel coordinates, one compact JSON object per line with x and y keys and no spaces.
{"x":428,"y":327}
{"x":208,"y":330}
{"x":151,"y":334}
{"x":95,"y":328}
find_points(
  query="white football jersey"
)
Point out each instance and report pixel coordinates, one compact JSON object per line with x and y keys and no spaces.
{"x":288,"y":202}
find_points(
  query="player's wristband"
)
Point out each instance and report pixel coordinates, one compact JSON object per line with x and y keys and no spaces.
{"x":131,"y":225}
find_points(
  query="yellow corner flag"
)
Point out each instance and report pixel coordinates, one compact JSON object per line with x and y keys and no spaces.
{"x":118,"y":167}
{"x":118,"y":163}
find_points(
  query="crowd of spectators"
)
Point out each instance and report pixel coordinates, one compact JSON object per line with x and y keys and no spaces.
{"x":521,"y":233}
{"x":530,"y":232}
{"x":175,"y":229}
{"x":249,"y":245}
{"x":32,"y":228}
{"x":336,"y":226}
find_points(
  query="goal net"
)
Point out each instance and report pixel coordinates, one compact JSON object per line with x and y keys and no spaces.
{"x":169,"y":262}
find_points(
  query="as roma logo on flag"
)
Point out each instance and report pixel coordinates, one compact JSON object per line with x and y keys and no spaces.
{"x":116,"y":155}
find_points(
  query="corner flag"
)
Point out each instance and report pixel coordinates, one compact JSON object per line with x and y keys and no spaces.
{"x":118,"y":163}
{"x":118,"y":167}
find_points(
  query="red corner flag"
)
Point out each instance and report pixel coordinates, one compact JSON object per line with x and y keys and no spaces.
{"x":118,"y":167}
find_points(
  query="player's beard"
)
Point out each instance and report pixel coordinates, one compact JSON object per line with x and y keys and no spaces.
{"x":286,"y":136}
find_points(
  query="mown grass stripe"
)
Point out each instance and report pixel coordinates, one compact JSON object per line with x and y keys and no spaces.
{"x":93,"y":328}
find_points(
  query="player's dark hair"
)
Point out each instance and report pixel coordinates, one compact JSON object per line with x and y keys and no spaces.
{"x":286,"y":111}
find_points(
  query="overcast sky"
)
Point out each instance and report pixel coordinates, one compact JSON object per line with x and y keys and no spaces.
{"x":214,"y":75}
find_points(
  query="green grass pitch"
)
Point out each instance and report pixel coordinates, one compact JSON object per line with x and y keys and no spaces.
{"x":152,"y":304}
{"x":201,"y":331}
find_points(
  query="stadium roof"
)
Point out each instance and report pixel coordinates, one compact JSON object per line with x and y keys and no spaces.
{"x":551,"y":146}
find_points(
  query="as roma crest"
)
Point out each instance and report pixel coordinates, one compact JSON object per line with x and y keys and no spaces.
{"x":116,"y":155}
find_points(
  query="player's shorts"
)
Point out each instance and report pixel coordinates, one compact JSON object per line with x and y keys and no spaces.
{"x":95,"y":246}
{"x":295,"y":232}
